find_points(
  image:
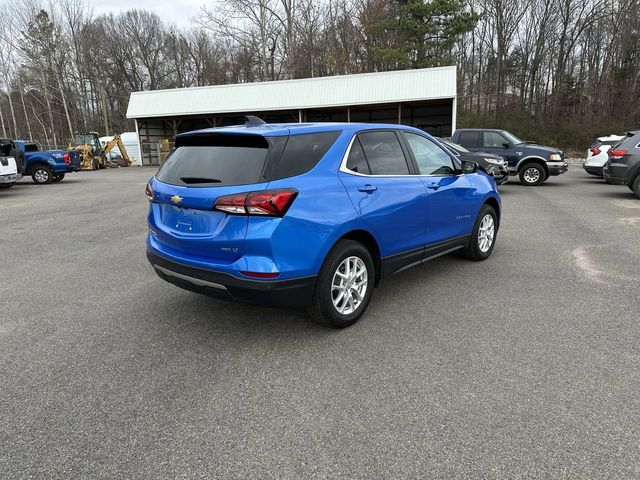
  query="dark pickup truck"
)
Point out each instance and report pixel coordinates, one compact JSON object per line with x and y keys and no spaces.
{"x":534,"y":164}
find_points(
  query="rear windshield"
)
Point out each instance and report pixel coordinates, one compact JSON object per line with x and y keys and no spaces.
{"x":211,"y":160}
{"x":215,"y":160}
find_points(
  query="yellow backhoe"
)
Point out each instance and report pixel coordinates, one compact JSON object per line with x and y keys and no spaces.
{"x":94,"y":156}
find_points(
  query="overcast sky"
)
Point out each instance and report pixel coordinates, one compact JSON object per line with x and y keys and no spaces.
{"x":178,"y":12}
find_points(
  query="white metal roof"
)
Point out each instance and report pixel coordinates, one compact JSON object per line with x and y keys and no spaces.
{"x":360,"y":89}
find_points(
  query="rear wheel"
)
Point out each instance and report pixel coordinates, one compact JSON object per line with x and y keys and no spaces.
{"x":635,"y":186}
{"x":344,"y":286}
{"x":532,"y":174}
{"x":41,"y":174}
{"x":57,"y":177}
{"x":483,"y":238}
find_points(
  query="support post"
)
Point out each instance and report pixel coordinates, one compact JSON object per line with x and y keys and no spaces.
{"x":138,"y":141}
{"x":349,"y":114}
{"x":454,"y":114}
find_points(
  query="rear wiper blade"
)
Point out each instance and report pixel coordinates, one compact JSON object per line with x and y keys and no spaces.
{"x":200,"y":180}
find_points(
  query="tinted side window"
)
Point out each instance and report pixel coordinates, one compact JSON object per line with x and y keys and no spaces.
{"x":384,"y":153}
{"x":470,"y":139}
{"x":356,"y":161}
{"x":493,"y":140}
{"x":431,"y":159}
{"x":303,"y":152}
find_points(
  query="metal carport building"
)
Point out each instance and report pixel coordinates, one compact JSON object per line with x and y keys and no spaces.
{"x":424,"y":98}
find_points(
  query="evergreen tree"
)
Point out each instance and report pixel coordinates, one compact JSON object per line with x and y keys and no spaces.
{"x":419,"y":33}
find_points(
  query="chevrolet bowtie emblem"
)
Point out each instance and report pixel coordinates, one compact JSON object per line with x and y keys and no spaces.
{"x":176,"y":199}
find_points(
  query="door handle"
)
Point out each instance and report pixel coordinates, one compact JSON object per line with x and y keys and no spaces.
{"x":433,"y":186}
{"x":367,"y":188}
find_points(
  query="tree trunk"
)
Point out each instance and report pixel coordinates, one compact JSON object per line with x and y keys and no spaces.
{"x":24,"y":108}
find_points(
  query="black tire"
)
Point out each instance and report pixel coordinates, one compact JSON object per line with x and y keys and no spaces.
{"x":635,"y":186}
{"x":532,"y":174}
{"x":322,"y":309}
{"x":475,"y":250}
{"x":41,"y":174}
{"x":57,"y":177}
{"x":95,"y":165}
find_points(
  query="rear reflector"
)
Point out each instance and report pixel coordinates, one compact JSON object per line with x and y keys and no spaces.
{"x":260,"y":274}
{"x":270,"y":203}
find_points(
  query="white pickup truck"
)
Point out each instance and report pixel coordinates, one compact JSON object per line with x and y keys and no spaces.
{"x":8,"y":172}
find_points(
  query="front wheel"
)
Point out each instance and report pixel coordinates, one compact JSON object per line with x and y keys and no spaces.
{"x":57,"y":177}
{"x":532,"y":174}
{"x":483,"y":237}
{"x":344,"y":286}
{"x":41,"y":174}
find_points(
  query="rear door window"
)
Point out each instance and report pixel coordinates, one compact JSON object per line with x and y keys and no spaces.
{"x":303,"y":152}
{"x":384,"y":153}
{"x":470,"y":139}
{"x":216,"y":160}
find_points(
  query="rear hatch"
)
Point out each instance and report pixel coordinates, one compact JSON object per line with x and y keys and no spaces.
{"x":198,"y":171}
{"x":8,"y":166}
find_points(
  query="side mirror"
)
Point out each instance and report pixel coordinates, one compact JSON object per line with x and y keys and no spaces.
{"x":469,"y":167}
{"x":506,"y":145}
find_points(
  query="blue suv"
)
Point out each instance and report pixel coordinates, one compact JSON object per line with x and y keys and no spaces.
{"x":312,"y":214}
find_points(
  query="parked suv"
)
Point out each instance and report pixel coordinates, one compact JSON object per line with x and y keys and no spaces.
{"x":598,"y":154}
{"x":312,"y":214}
{"x":534,"y":164}
{"x":623,"y":165}
{"x":494,"y":165}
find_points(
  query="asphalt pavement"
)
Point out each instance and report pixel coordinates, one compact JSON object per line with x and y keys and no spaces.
{"x":526,"y":365}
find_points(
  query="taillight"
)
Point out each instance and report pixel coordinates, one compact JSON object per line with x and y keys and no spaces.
{"x":595,"y":151}
{"x":149,"y":192}
{"x":270,"y":203}
{"x":67,"y":158}
{"x":618,"y":153}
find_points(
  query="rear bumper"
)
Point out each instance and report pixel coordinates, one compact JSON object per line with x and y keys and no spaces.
{"x":291,"y":292}
{"x":11,"y":178}
{"x":592,"y":170}
{"x":557,"y":168}
{"x":67,"y":168}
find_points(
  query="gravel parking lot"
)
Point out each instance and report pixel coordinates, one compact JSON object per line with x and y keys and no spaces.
{"x":526,"y":365}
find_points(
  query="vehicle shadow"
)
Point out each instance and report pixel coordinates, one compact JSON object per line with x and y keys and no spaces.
{"x":193,"y":314}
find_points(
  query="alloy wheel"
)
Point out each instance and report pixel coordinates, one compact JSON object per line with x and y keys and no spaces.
{"x":41,"y":175}
{"x":349,"y":285}
{"x":486,"y":233}
{"x":531,"y":175}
